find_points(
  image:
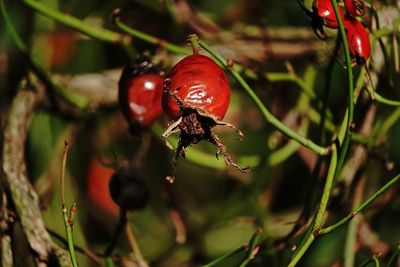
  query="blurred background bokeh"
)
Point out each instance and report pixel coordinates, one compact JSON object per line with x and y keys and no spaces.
{"x":211,"y":209}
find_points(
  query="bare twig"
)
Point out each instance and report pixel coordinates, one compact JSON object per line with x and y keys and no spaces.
{"x":68,"y":219}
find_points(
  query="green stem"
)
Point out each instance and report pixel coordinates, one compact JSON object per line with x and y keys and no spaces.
{"x":148,"y":38}
{"x":326,"y":93}
{"x":266,"y":113}
{"x":67,"y":223}
{"x":364,"y":205}
{"x":394,"y":256}
{"x":350,"y":97}
{"x":68,"y":229}
{"x":39,"y":71}
{"x":250,"y":249}
{"x":327,"y":190}
{"x":11,"y":30}
{"x":300,"y":252}
{"x":316,"y":226}
{"x":217,"y":261}
{"x":376,"y":261}
{"x":365,"y":263}
{"x":380,"y":99}
{"x":281,"y":76}
{"x":87,"y":29}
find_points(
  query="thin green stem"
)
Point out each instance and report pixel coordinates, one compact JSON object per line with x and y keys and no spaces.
{"x":77,"y":24}
{"x":67,"y":223}
{"x":247,"y":258}
{"x":39,"y":71}
{"x":327,"y":190}
{"x":364,"y":205}
{"x":147,"y":37}
{"x":251,"y":249}
{"x":380,"y":99}
{"x":316,"y":226}
{"x":350,"y":97}
{"x":11,"y":30}
{"x":217,"y":261}
{"x":350,"y":243}
{"x":394,"y":256}
{"x":365,"y":263}
{"x":266,"y":113}
{"x":282,"y":76}
{"x":326,"y":93}
{"x":376,"y":261}
{"x":389,"y":122}
{"x":300,"y":252}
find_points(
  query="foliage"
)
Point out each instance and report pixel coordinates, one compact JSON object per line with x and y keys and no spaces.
{"x":323,"y":152}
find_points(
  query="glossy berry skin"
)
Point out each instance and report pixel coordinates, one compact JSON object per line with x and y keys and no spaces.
{"x":128,"y":188}
{"x":355,"y":8}
{"x":199,"y":82}
{"x":140,"y":93}
{"x":323,"y":9}
{"x":358,"y":40}
{"x":98,"y":178}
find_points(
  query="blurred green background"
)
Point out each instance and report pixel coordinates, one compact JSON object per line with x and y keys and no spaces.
{"x":220,"y":208}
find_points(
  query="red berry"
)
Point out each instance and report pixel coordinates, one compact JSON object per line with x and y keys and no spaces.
{"x":355,"y":8}
{"x":98,"y":178}
{"x":197,"y":91}
{"x":199,"y":82}
{"x":140,"y":92}
{"x":324,"y":10}
{"x":358,"y":40}
{"x":322,"y":15}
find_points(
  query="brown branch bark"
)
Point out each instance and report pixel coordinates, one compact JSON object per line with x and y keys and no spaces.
{"x":16,"y":179}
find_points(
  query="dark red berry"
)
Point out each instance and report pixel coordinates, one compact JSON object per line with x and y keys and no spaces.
{"x":128,"y":188}
{"x":199,"y":82}
{"x":197,"y":91}
{"x":140,"y":93}
{"x":322,"y":15}
{"x":355,"y":8}
{"x":325,"y":11}
{"x":358,"y":40}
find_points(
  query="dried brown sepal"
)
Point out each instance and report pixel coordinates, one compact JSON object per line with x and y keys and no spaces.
{"x":193,"y":126}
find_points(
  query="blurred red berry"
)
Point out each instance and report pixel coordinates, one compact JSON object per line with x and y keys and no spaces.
{"x":355,"y":8}
{"x":98,"y":178}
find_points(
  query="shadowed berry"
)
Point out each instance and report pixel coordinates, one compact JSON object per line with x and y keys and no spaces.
{"x":128,"y":188}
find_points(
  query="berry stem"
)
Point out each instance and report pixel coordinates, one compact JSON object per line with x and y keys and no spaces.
{"x":194,"y":41}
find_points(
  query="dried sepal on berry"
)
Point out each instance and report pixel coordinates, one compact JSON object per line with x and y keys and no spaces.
{"x":193,"y":126}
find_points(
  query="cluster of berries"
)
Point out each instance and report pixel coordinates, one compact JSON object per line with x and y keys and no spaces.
{"x":323,"y":15}
{"x":195,"y":93}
